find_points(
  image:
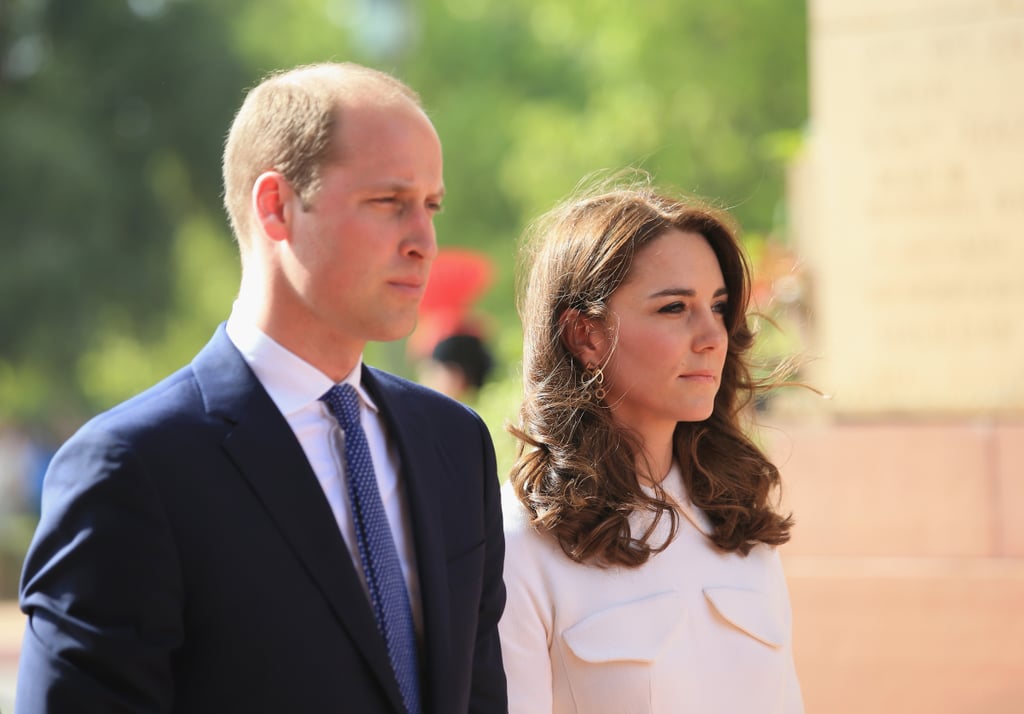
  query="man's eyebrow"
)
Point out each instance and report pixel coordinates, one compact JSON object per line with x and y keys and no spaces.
{"x":399,"y":186}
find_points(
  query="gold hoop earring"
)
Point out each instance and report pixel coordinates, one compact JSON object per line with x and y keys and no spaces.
{"x":593,"y":382}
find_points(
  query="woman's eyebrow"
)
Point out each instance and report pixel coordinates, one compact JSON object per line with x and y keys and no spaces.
{"x":685,"y":292}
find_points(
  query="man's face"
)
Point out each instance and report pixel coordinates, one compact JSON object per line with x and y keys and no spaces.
{"x":358,"y":258}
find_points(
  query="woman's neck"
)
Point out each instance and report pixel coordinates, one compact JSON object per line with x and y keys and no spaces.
{"x":653,"y":468}
{"x":656,"y":441}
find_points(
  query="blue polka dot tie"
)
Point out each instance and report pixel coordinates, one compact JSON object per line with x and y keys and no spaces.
{"x":377,"y":552}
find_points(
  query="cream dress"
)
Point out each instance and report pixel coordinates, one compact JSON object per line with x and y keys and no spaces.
{"x":691,"y":630}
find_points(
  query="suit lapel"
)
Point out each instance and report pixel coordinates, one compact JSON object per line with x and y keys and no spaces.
{"x":272,"y":461}
{"x":420,"y":461}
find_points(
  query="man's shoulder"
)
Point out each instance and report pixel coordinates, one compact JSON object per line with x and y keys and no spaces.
{"x":410,"y":393}
{"x":425,"y":415}
{"x":191,"y":394}
{"x":169,"y":399}
{"x":160,"y":425}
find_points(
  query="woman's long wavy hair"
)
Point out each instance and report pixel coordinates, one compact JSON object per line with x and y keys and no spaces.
{"x":576,"y":469}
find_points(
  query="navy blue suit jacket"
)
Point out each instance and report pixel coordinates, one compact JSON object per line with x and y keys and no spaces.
{"x":187,"y":559}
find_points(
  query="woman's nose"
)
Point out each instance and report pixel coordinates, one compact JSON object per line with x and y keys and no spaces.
{"x":710,"y":332}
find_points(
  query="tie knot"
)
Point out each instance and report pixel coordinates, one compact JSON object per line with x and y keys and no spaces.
{"x":343,"y":402}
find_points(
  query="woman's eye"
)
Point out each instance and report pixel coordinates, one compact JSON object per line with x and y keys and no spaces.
{"x":721,"y":307}
{"x":673,"y":307}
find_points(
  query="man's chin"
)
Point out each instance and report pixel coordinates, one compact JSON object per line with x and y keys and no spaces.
{"x":393,"y":332}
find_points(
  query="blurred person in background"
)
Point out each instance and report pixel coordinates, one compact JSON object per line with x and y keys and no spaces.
{"x":448,"y":347}
{"x":458,"y":366}
{"x":641,"y":565}
{"x":279,"y":527}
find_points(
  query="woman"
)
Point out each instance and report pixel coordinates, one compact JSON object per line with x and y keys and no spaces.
{"x":641,"y":569}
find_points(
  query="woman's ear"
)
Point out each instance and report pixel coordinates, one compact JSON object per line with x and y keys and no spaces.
{"x":584,"y":337}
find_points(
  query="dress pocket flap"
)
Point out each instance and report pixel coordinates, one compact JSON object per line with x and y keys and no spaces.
{"x":749,"y":611}
{"x":635,"y":631}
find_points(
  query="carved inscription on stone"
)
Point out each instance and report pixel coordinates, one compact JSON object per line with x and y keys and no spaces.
{"x":915,"y":234}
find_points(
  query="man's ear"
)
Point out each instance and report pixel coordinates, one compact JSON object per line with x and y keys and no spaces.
{"x":273,"y":202}
{"x":585,"y":338}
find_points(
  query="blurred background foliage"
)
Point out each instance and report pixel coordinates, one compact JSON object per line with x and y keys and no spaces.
{"x":117,"y":259}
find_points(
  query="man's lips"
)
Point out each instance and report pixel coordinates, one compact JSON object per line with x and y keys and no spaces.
{"x":412,"y":284}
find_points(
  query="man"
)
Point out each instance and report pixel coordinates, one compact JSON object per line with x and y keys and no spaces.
{"x":202,"y":547}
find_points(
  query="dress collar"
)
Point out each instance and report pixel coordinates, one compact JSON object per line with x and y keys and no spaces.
{"x":675,"y":489}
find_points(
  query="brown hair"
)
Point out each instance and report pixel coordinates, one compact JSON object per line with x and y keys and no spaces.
{"x":287,"y":123}
{"x":576,"y":469}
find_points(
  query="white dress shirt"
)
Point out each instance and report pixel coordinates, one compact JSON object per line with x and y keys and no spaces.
{"x":296,"y":386}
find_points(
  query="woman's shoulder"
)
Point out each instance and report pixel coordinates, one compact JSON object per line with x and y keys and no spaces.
{"x":523,"y":540}
{"x":514,"y":514}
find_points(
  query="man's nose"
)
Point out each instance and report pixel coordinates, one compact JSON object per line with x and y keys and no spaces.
{"x":421,"y":236}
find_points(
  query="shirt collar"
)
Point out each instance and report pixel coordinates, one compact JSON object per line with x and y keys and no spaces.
{"x":292,"y":382}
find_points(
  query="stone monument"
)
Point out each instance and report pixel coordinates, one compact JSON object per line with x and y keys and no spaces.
{"x":909,"y":205}
{"x":906,"y":566}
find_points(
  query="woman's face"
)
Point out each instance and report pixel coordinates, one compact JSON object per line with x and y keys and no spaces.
{"x":667,"y":335}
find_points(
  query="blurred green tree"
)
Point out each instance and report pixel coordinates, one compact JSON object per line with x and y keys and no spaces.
{"x":531,"y":96}
{"x":111,"y":116}
{"x":117,"y":258}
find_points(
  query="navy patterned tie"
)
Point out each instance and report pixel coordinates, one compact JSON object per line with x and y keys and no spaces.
{"x":381,"y":565}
